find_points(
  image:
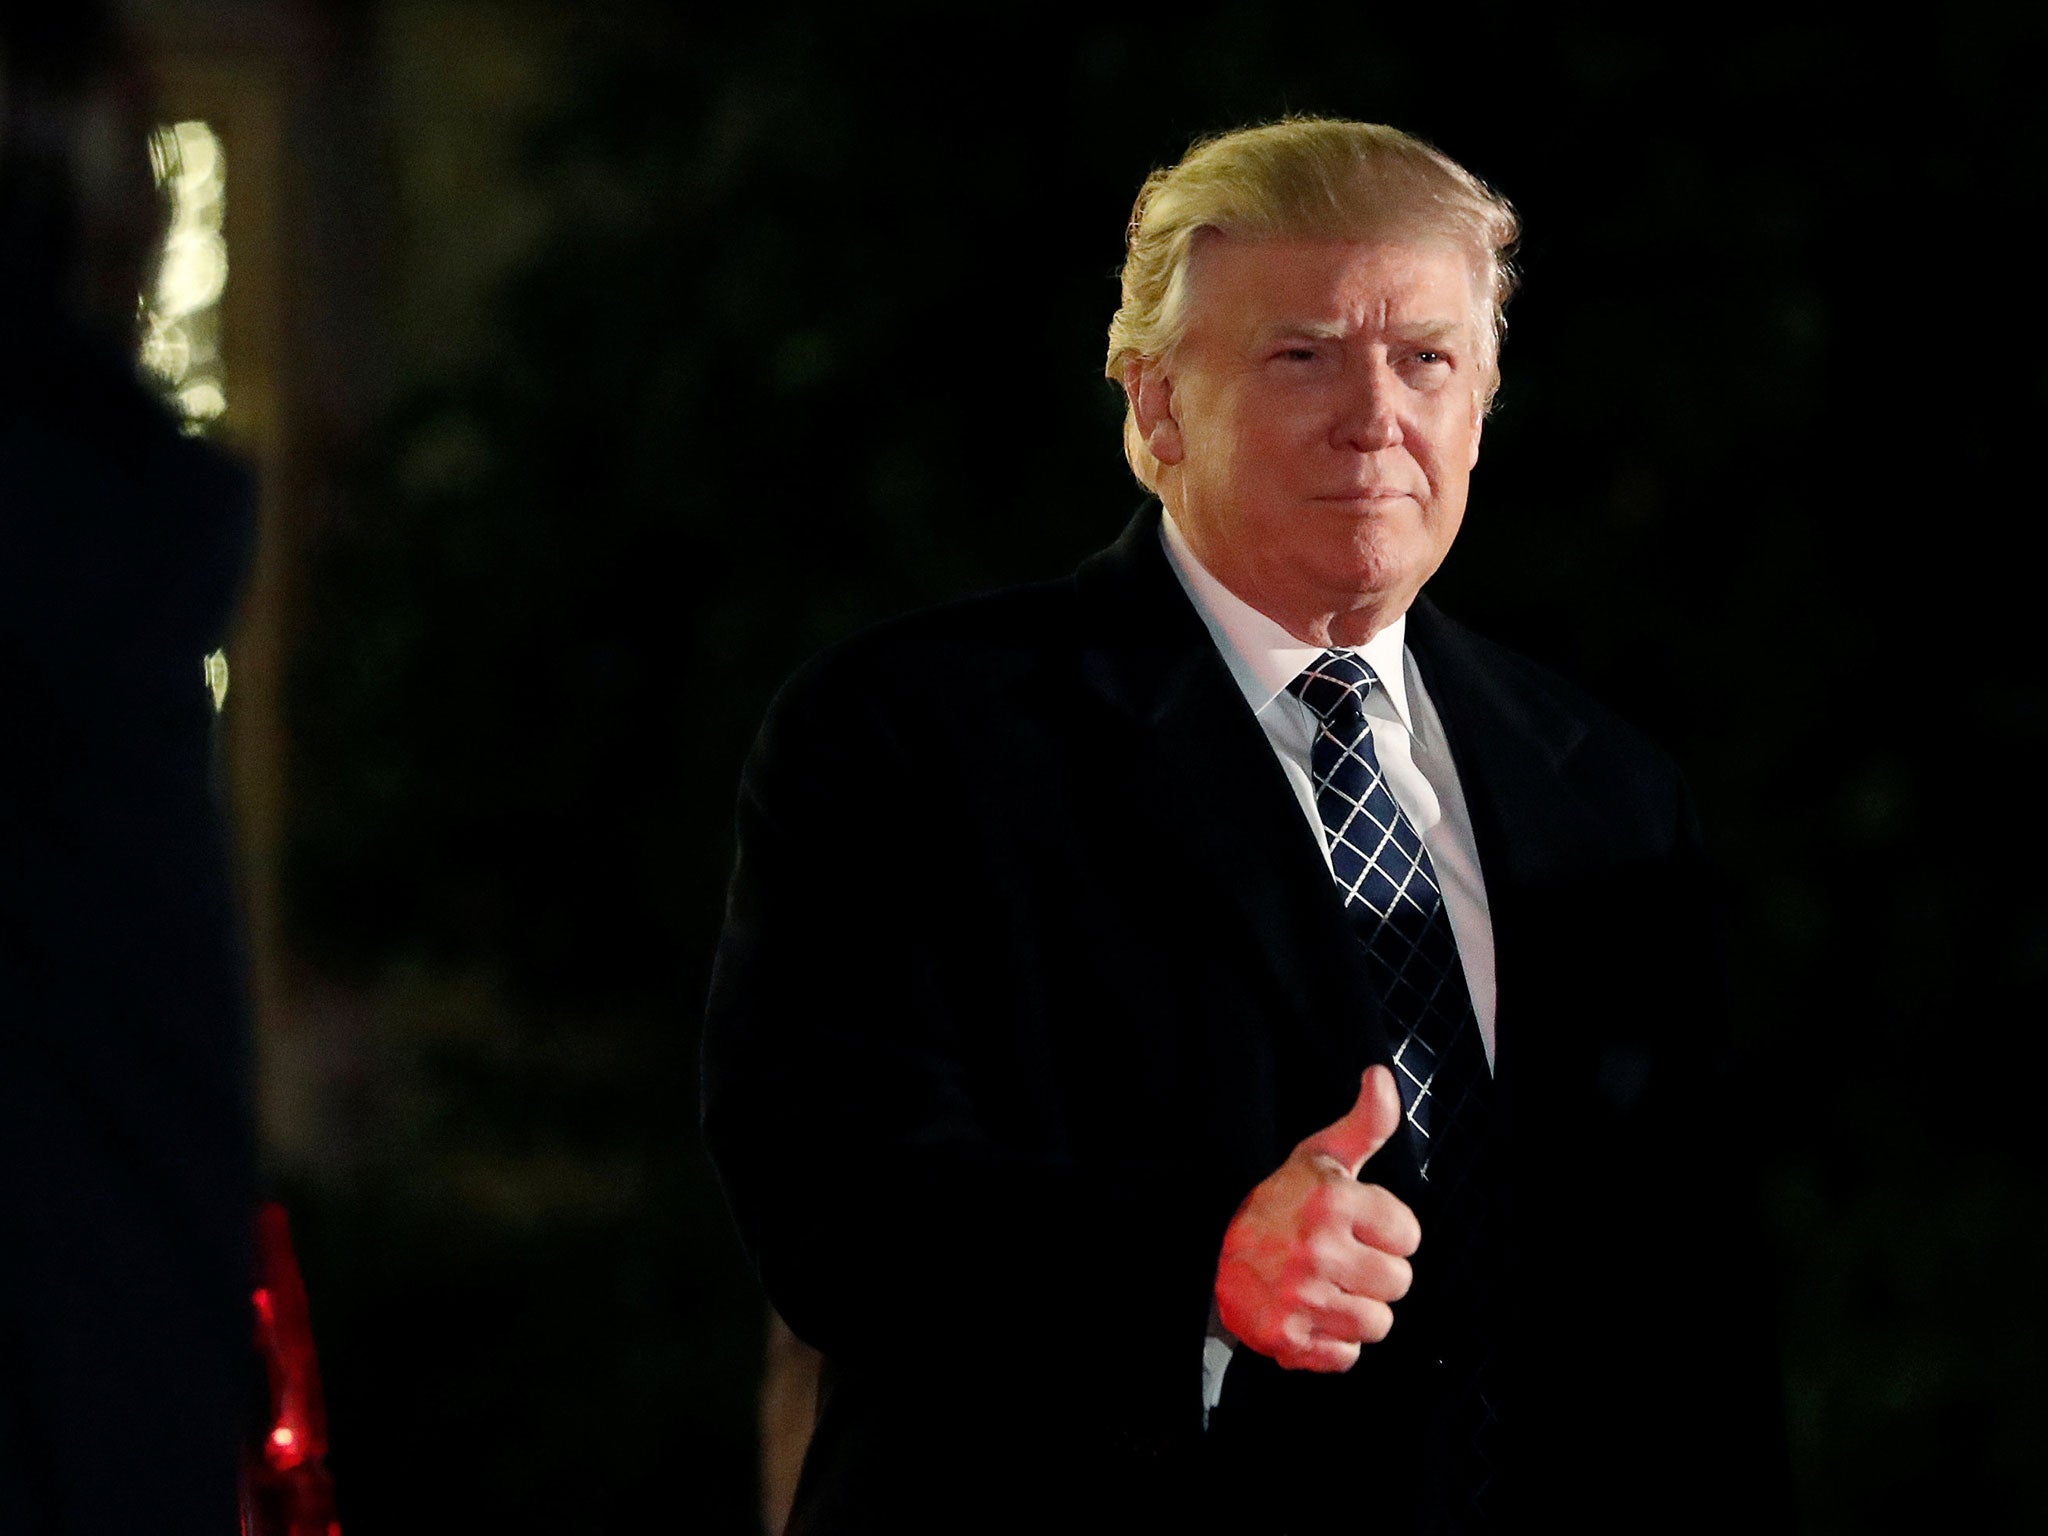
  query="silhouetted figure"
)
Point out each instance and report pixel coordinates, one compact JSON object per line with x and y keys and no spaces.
{"x":126,"y":1155}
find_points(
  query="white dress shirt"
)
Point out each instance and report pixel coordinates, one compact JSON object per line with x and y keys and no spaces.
{"x":1407,"y":737}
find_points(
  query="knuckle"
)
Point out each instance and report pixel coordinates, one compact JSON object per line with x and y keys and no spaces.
{"x":1401,"y":1276}
{"x":1339,"y":1357}
{"x":1407,"y":1230}
{"x":1392,"y":1236}
{"x":1384,"y":1278}
{"x":1387,"y":1223}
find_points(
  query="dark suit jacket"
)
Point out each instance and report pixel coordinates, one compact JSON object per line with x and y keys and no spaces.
{"x":1033,"y":969}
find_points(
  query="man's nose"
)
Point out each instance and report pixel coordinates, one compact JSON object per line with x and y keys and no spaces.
{"x":1371,"y":421}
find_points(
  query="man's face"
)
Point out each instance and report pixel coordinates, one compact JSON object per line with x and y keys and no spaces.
{"x":1319,"y":424}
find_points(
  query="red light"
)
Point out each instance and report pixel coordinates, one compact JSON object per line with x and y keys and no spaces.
{"x":282,"y":1435}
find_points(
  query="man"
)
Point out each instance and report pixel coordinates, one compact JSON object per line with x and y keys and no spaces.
{"x":1210,"y":1043}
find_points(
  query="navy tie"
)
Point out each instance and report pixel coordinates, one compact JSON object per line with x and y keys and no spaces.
{"x":1397,"y":909}
{"x":1391,"y":895}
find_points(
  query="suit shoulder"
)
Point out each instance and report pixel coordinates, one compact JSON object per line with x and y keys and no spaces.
{"x":1542,"y":690}
{"x":1609,"y":756}
{"x":1555,"y":693}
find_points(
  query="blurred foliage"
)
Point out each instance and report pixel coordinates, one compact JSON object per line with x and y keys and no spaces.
{"x":808,"y":330}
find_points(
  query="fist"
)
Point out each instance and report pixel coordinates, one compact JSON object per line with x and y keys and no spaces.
{"x":1314,"y":1260}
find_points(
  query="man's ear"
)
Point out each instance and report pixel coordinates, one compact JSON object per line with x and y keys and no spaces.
{"x":1150,"y":392}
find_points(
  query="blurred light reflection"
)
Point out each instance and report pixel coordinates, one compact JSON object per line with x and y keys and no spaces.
{"x":181,"y":312}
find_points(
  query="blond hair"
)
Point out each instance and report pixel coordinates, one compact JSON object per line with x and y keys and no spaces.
{"x":1299,"y":179}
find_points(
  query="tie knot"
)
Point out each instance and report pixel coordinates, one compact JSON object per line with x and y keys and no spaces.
{"x":1334,"y":681}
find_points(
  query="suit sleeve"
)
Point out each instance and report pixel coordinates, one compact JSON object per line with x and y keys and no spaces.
{"x":893,"y":1209}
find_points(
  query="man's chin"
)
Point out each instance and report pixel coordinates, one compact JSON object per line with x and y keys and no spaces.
{"x":1377,"y":562}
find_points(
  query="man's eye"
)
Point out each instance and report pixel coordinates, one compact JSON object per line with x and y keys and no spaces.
{"x":1431,"y":357}
{"x":1298,"y":354}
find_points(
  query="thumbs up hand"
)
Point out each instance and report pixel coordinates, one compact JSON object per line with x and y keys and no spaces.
{"x":1314,"y":1260}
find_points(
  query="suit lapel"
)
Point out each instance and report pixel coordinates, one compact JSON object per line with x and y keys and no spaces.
{"x":1513,"y":768}
{"x":1202,"y":773}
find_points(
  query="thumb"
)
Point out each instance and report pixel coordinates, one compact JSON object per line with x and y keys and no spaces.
{"x":1366,"y":1125}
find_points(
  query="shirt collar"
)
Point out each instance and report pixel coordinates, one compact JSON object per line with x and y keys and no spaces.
{"x":1263,"y":657}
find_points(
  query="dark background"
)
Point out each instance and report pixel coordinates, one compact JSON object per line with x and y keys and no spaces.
{"x":637,"y":356}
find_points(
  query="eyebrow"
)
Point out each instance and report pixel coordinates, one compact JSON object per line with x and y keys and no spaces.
{"x":1311,"y":330}
{"x":1337,"y":330}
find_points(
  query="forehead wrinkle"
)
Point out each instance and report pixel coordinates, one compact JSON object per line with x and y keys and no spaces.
{"x":1338,"y":313}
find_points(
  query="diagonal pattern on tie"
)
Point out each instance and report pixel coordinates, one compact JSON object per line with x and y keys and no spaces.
{"x":1391,"y":892}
